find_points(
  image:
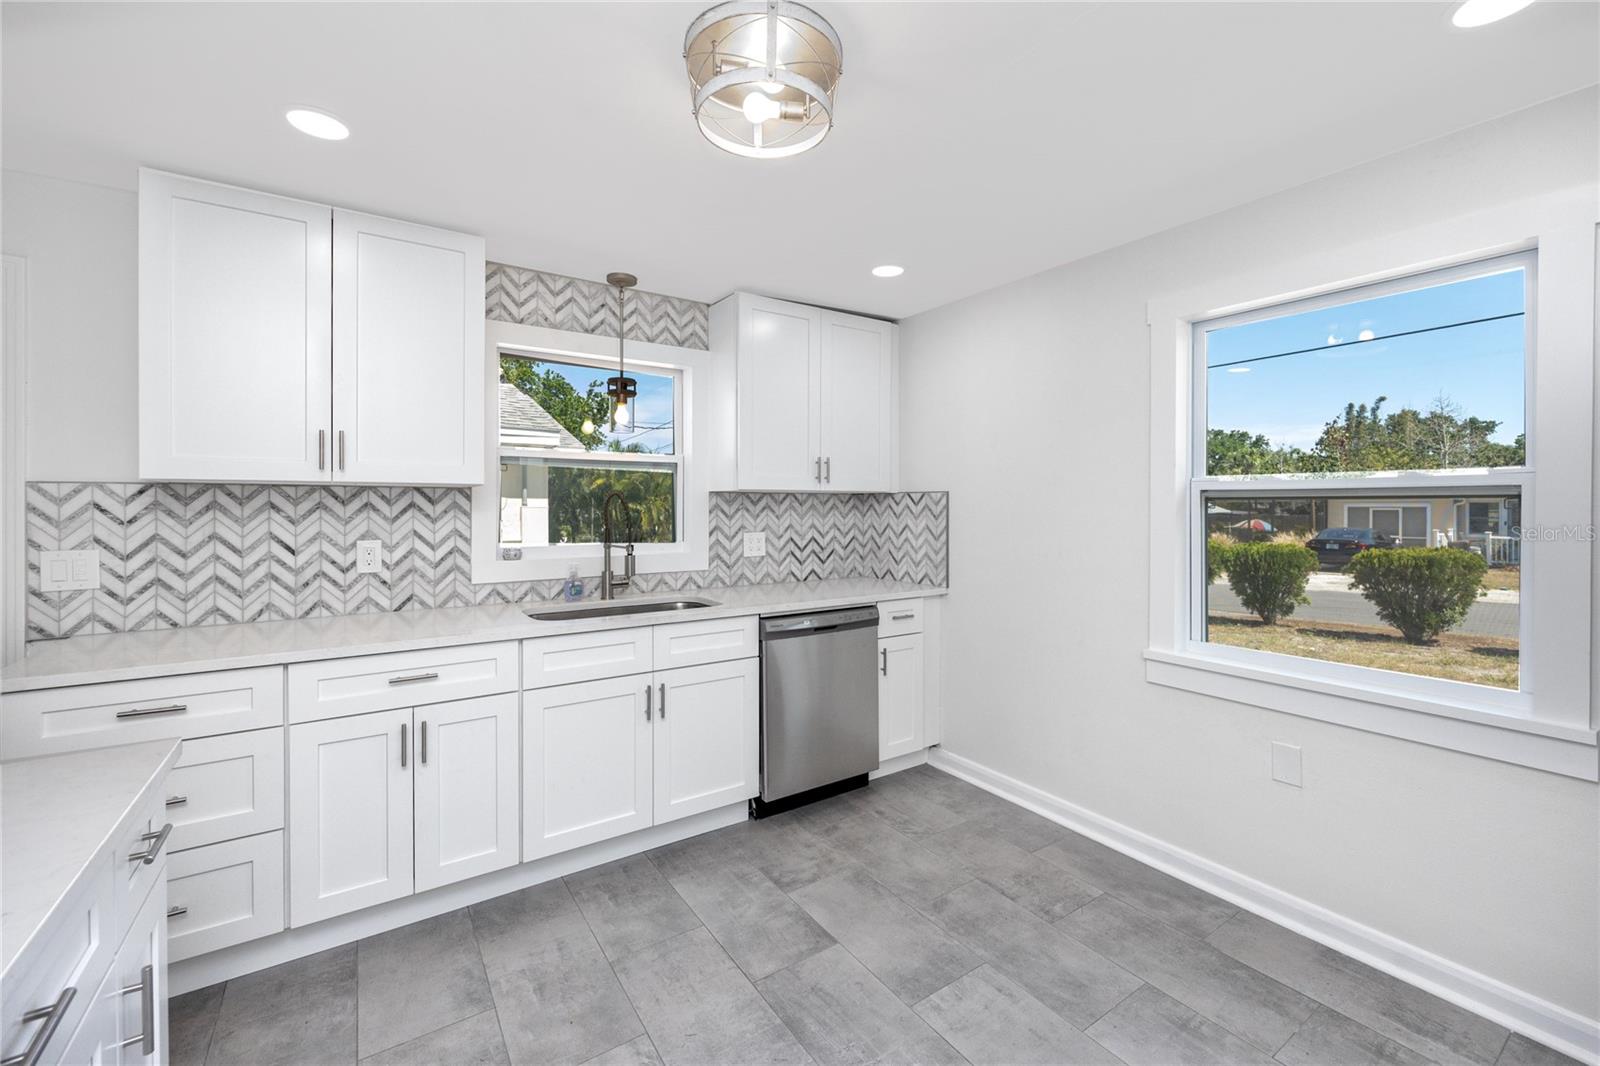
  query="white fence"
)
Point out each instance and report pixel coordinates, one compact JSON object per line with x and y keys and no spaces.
{"x":1502,"y":551}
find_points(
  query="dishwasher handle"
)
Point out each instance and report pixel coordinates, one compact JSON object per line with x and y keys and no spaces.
{"x":804,"y":625}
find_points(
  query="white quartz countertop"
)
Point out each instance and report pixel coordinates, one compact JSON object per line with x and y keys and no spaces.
{"x":60,"y":816}
{"x":157,"y":653}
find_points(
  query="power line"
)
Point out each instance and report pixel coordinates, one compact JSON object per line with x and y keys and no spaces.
{"x":1369,"y":340}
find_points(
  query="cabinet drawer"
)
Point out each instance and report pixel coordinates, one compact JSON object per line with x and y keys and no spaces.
{"x":226,"y":787}
{"x":224,"y":894}
{"x":576,"y":657}
{"x":74,"y":951}
{"x":339,"y":687}
{"x":714,"y":641}
{"x":898,"y":617}
{"x":187,"y":706}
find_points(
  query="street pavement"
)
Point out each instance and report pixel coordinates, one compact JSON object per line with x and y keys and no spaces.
{"x":1332,"y":600}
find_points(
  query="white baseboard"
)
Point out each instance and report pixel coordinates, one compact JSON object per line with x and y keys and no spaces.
{"x":208,"y":969}
{"x":1538,"y":1019}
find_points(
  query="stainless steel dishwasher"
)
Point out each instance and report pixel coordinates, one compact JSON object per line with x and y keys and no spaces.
{"x":819,"y":705}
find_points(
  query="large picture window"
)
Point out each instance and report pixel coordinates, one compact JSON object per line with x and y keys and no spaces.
{"x":1358,"y":471}
{"x":560,"y":456}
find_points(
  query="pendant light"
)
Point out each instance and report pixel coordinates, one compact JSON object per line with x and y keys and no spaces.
{"x":621,"y":388}
{"x":763,"y":74}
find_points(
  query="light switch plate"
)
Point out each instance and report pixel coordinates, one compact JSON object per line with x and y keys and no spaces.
{"x":69,"y":571}
{"x":755,"y":545}
{"x":369,"y":556}
{"x":1286,"y":763}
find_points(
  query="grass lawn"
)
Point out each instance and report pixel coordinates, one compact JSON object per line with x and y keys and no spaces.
{"x":1503,"y":577}
{"x":1457,"y":656}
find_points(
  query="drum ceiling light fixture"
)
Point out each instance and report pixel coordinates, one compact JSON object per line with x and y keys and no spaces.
{"x":763,"y":74}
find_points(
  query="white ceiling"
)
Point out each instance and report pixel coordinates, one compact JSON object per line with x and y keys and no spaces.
{"x":975,"y":143}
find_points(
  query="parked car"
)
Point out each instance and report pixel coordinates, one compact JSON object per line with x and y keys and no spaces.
{"x":1337,"y":545}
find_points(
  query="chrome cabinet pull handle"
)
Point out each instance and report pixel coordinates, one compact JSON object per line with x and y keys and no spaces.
{"x":884,"y":669}
{"x":177,"y":912}
{"x":648,"y":693}
{"x":177,"y":801}
{"x":403,"y":745}
{"x":322,"y":449}
{"x":166,"y":708}
{"x":827,"y":469}
{"x":661,"y":704}
{"x":147,"y":1012}
{"x":819,"y":470}
{"x":424,"y":740}
{"x":148,"y":855}
{"x":908,"y":616}
{"x":406,"y":679}
{"x":51,"y":1016}
{"x":341,"y":449}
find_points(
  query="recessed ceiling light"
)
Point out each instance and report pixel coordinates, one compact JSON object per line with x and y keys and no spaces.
{"x":888,"y":270}
{"x":1475,"y":13}
{"x":318,"y":124}
{"x":1238,"y":370}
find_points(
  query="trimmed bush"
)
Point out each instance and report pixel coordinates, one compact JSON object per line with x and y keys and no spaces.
{"x":1270,"y":579}
{"x":1217,"y":549}
{"x":1420,"y":591}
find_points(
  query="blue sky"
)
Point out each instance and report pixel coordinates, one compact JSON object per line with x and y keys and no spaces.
{"x":652,"y":407}
{"x":1288,"y":400}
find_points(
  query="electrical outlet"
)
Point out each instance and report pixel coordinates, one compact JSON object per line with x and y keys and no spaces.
{"x":69,"y":571}
{"x":1286,"y":763}
{"x":755,"y":544}
{"x":369,"y":556}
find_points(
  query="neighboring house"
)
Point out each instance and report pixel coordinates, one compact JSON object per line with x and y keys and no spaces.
{"x":527,"y":431}
{"x":1479,"y":523}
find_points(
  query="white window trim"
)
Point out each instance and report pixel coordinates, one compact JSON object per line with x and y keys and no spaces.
{"x":1548,"y":724}
{"x":702,"y":391}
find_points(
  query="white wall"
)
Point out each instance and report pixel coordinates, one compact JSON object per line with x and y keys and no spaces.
{"x":1490,"y":865}
{"x":82,"y":396}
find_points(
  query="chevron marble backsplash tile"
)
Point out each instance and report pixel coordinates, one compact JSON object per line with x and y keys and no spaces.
{"x":185,"y":555}
{"x":535,"y":298}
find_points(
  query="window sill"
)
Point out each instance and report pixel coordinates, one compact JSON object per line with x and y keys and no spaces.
{"x":1491,"y":733}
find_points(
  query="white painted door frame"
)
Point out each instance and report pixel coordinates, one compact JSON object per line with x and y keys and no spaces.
{"x":13,"y":450}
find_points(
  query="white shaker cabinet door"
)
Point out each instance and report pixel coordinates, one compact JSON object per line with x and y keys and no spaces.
{"x":466,"y":789}
{"x":708,"y":720}
{"x":900,"y":703}
{"x":408,"y":355}
{"x":349,"y":814}
{"x":857,"y":407}
{"x":586,"y":763}
{"x":778,"y":361}
{"x":235,"y":349}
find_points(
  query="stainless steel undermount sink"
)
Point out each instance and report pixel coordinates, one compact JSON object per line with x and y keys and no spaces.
{"x":610,"y":610}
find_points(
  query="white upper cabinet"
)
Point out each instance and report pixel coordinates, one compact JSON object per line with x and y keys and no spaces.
{"x":407,"y":353}
{"x":816,"y":395}
{"x":285,"y":341}
{"x":235,"y":349}
{"x":857,"y":409}
{"x":780,"y":362}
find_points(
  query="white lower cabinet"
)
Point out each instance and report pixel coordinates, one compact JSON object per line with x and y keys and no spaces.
{"x":388,"y":803}
{"x":465,"y":804}
{"x":95,"y":1042}
{"x":708,"y":721}
{"x":224,"y":894}
{"x":586,"y":763}
{"x":349,"y":814}
{"x":605,"y":758}
{"x":139,"y":975}
{"x":900,"y":701}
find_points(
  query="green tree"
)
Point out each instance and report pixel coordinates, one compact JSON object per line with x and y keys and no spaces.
{"x":558,"y":396}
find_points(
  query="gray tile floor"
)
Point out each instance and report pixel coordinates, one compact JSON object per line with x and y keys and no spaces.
{"x":918,"y":920}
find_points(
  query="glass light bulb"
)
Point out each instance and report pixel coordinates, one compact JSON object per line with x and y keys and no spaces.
{"x":620,"y":415}
{"x":587,"y":427}
{"x":759,"y":108}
